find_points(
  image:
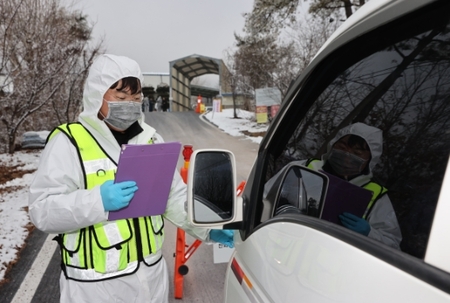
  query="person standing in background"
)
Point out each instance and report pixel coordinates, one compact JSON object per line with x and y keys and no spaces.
{"x":151,"y":104}
{"x":145,"y":104}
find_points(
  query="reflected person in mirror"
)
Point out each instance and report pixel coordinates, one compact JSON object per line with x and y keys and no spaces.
{"x":351,"y":155}
{"x":73,"y":192}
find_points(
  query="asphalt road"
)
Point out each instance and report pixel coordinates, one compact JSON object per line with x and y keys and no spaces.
{"x":35,"y":276}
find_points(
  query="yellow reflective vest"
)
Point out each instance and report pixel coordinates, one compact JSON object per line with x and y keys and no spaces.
{"x":108,"y":249}
{"x":376,"y":189}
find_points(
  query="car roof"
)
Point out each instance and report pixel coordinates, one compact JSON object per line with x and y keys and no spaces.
{"x":371,"y":15}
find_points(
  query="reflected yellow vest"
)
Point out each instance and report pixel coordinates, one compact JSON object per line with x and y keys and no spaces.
{"x":108,"y":249}
{"x":376,"y":189}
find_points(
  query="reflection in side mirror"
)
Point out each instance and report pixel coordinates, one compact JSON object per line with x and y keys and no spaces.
{"x":213,"y":187}
{"x":296,"y":189}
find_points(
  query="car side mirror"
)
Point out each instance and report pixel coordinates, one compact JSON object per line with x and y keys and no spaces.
{"x":295,"y":189}
{"x":212,"y":188}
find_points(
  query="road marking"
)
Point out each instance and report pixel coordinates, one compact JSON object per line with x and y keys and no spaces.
{"x":30,"y":283}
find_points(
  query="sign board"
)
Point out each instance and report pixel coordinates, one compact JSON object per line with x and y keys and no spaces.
{"x":267,"y":96}
{"x":216,"y":106}
{"x":222,"y":253}
{"x":274,"y":110}
{"x":261,"y":114}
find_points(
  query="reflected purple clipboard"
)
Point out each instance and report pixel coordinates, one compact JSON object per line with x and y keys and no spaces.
{"x":152,"y":167}
{"x":343,"y":196}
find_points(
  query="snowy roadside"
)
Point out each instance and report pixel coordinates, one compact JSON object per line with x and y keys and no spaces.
{"x":245,"y":124}
{"x":14,"y":220}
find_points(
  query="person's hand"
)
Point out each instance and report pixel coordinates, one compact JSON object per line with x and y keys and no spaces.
{"x":223,"y":236}
{"x":116,"y":196}
{"x":355,"y":223}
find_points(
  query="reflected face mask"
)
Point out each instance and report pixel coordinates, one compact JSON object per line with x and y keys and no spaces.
{"x":345,"y":163}
{"x":122,"y":114}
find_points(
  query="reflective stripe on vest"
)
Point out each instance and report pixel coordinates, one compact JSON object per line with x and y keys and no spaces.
{"x":106,"y":249}
{"x":376,"y":189}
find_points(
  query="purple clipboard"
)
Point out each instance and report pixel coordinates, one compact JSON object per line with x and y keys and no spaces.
{"x":152,"y":167}
{"x":342,"y":196}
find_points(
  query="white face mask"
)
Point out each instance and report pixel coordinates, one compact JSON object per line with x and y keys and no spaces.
{"x":122,"y":114}
{"x":345,"y":163}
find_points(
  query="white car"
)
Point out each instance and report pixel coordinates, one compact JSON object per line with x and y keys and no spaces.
{"x":34,"y":139}
{"x":387,"y":66}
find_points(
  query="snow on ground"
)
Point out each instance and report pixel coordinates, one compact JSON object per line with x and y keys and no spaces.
{"x":14,"y":194}
{"x":235,"y":127}
{"x":14,"y":205}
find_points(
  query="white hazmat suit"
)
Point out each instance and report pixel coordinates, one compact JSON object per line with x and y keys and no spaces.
{"x":59,"y":203}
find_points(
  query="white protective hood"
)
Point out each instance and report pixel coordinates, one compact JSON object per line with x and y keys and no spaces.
{"x":104,"y":72}
{"x":372,"y":135}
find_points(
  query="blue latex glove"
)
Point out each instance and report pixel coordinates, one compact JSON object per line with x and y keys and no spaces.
{"x":223,"y":236}
{"x":355,"y":223}
{"x":117,"y":195}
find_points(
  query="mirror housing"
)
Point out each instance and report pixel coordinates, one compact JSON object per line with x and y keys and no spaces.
{"x":212,"y":199}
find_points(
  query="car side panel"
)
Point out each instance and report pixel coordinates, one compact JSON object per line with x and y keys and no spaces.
{"x":289,"y":262}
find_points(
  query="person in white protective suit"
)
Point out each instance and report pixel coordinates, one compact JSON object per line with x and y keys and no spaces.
{"x":73,"y":192}
{"x":351,"y":155}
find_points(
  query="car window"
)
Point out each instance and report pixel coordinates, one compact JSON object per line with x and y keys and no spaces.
{"x":397,"y":79}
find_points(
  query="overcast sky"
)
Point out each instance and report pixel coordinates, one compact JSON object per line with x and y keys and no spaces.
{"x":154,"y":32}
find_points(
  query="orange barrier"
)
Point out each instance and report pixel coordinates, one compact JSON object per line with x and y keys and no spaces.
{"x":199,"y":103}
{"x":187,"y":152}
{"x":181,"y":257}
{"x":181,"y":253}
{"x":240,"y":188}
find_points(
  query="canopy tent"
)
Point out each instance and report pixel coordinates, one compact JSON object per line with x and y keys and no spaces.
{"x":183,"y":70}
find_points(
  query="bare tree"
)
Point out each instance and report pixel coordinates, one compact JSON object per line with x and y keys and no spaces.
{"x":330,"y":6}
{"x":231,"y":79}
{"x":274,"y":57}
{"x":268,"y":16}
{"x":309,"y":34}
{"x":67,"y":102}
{"x":42,"y":47}
{"x":265,"y":61}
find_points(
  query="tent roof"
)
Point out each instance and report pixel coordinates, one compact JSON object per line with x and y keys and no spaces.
{"x":196,"y":65}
